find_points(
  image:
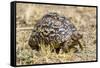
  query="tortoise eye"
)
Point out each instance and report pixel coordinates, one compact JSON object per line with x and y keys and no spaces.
{"x":80,"y":35}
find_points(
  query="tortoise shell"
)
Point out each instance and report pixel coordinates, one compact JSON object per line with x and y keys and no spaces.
{"x":53,"y":27}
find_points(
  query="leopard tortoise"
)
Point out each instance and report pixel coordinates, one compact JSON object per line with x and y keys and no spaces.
{"x":54,"y":28}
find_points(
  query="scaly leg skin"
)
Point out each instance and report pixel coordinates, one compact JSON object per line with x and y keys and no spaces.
{"x":72,"y":47}
{"x":82,"y":44}
{"x":75,"y":49}
{"x":81,"y":47}
{"x":65,"y":48}
{"x":77,"y":42}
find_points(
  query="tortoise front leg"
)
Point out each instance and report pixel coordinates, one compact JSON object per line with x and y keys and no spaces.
{"x":81,"y":47}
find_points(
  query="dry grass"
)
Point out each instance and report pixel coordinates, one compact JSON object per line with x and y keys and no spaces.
{"x":84,"y":18}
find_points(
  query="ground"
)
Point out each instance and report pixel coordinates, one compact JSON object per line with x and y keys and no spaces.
{"x":84,"y":18}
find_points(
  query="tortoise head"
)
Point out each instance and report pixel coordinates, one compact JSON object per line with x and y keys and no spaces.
{"x":76,"y":35}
